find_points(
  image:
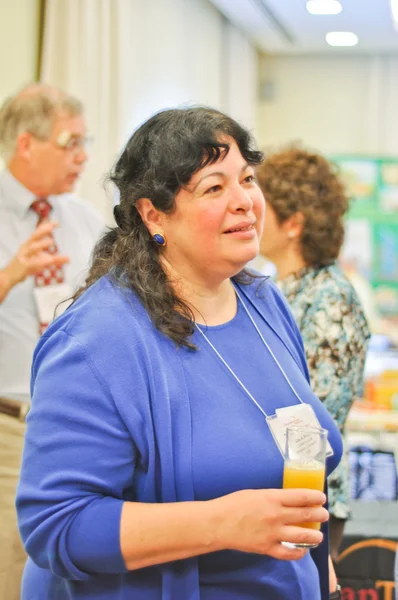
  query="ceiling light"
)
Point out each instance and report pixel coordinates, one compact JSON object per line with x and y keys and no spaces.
{"x":324,"y":7}
{"x":341,"y":38}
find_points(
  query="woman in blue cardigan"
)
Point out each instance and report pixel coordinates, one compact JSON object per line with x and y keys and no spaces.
{"x":149,"y":469}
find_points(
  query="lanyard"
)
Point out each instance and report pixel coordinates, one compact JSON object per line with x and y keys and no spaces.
{"x":269,"y":350}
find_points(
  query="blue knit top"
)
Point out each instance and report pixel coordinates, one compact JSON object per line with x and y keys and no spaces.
{"x":119,"y":414}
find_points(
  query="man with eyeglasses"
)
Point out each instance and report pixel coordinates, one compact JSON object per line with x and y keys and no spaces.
{"x":46,"y":238}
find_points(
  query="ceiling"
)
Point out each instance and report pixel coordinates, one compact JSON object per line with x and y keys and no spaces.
{"x":285,"y":26}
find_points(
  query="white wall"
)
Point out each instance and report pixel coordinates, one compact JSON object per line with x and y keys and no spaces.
{"x":18,"y":44}
{"x":187,"y":53}
{"x":183,"y":52}
{"x":241,"y":79}
{"x":336,"y":105}
{"x":174,"y":53}
{"x":132,"y":58}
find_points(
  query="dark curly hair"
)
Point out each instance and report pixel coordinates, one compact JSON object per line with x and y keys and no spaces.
{"x":296,"y":180}
{"x":159,"y":160}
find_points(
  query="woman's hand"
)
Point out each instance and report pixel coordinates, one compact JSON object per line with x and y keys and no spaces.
{"x":259,"y":520}
{"x":250,"y":521}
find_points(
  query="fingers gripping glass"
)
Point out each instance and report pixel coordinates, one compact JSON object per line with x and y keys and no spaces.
{"x":304,"y":466}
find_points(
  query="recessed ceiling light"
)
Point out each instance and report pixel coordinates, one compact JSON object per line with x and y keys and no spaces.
{"x":341,"y":38}
{"x":324,"y":7}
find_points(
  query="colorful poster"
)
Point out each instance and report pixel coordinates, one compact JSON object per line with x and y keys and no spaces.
{"x":358,"y":245}
{"x":386,"y":300}
{"x":385,"y":259}
{"x":371,"y":244}
{"x":388,"y":191}
{"x":361,"y":179}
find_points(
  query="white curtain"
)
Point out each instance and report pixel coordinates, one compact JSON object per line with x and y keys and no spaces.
{"x":82,"y":43}
{"x":126,"y":59}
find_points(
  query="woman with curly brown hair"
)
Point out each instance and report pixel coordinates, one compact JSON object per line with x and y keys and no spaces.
{"x":303,"y":235}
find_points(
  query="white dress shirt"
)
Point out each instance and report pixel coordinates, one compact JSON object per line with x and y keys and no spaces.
{"x":80,"y":226}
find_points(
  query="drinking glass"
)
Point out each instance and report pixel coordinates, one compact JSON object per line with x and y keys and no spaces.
{"x":304,"y":467}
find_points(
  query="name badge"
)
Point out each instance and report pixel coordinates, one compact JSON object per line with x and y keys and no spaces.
{"x":48,"y":297}
{"x":299,"y":415}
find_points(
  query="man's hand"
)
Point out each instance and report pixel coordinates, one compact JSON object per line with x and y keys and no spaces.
{"x":32,"y":257}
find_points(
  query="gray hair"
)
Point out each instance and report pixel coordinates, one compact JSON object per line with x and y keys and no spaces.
{"x":33,"y":109}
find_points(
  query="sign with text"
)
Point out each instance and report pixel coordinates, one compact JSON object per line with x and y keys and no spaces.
{"x":365,"y":568}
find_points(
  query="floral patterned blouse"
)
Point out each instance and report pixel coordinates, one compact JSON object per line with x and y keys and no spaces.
{"x":335,"y":334}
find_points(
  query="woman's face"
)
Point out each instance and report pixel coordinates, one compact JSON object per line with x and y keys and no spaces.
{"x":217,"y":222}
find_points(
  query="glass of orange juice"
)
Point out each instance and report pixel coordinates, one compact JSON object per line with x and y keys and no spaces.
{"x":305,"y":462}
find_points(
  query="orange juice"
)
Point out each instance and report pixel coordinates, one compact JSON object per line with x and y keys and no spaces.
{"x":304,"y":474}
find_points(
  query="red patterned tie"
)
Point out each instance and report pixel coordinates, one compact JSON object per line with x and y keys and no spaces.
{"x":51,"y":275}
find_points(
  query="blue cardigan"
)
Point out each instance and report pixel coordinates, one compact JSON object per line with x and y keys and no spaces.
{"x":103,"y":346}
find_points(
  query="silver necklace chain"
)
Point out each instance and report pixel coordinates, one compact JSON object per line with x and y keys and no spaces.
{"x":269,"y":350}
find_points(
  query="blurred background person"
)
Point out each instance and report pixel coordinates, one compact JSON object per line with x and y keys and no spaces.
{"x":46,"y":238}
{"x":303,"y":234}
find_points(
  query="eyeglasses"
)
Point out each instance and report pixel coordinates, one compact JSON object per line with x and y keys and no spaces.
{"x":68,"y":141}
{"x":71,"y":142}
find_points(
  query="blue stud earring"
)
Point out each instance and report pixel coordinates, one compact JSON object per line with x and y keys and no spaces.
{"x":160,"y":239}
